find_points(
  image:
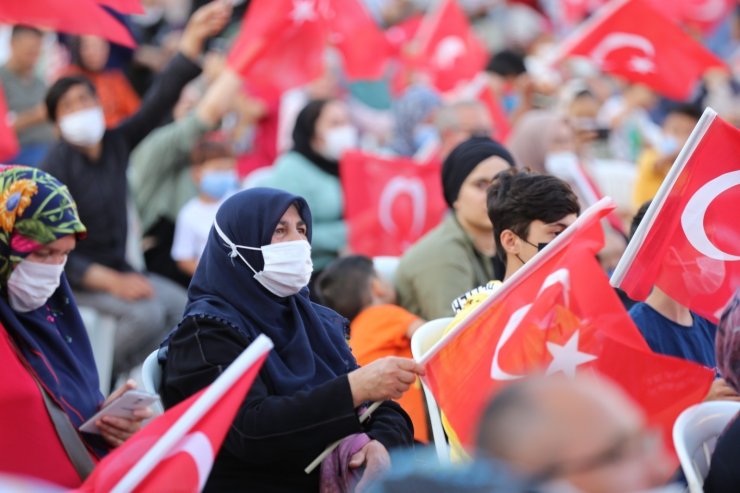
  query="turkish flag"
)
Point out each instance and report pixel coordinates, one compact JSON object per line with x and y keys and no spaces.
{"x":557,"y":314}
{"x":364,"y":47}
{"x":124,"y":6}
{"x":69,"y":16}
{"x":389,"y":202}
{"x":175,"y":452}
{"x":280,"y":44}
{"x":449,"y":51}
{"x":656,"y":53}
{"x":692,"y":227}
{"x":704,"y":15}
{"x":9,"y":146}
{"x":501,"y":125}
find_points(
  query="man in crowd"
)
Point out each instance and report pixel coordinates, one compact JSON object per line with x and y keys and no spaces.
{"x":93,"y":163}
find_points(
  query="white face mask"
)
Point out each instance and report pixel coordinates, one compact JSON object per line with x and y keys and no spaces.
{"x":83,"y":128}
{"x":288,"y":265}
{"x":562,"y":164}
{"x":338,"y":140}
{"x":32,"y":283}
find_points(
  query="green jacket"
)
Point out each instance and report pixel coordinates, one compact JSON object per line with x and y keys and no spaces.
{"x":441,"y":266}
{"x":159,"y":173}
{"x":294,"y":173}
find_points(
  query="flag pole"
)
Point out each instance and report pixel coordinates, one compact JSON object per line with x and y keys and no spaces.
{"x":195,"y":412}
{"x":328,"y":450}
{"x":657,"y":204}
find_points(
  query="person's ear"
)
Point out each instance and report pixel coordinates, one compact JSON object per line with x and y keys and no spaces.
{"x":511,"y":243}
{"x":197,"y":173}
{"x":382,"y":290}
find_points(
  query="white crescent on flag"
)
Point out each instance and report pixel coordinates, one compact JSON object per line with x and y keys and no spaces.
{"x":448,"y":50}
{"x":414,"y":188}
{"x":620,"y":40}
{"x":692,"y":218}
{"x":198,"y":446}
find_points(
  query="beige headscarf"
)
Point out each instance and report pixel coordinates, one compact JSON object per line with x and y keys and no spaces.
{"x":531,"y":137}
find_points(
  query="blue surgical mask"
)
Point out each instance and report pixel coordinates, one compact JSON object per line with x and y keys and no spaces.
{"x":217,"y":184}
{"x":510,"y":101}
{"x":424,"y":134}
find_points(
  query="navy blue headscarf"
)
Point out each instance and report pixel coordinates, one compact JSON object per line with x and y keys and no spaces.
{"x":36,"y":209}
{"x":310,"y":344}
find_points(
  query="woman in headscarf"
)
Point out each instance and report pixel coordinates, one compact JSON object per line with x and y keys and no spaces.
{"x":45,"y":355}
{"x":413,"y":114}
{"x":322,"y":133}
{"x":252,"y":280}
{"x":537,"y":135}
{"x":456,"y":256}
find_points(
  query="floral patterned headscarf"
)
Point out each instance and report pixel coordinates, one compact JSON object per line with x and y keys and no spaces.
{"x":35,"y":209}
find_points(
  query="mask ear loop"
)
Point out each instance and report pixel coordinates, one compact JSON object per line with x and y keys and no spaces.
{"x":234,"y":247}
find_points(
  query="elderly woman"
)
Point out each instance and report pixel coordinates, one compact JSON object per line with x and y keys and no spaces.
{"x":50,"y":384}
{"x":252,"y":280}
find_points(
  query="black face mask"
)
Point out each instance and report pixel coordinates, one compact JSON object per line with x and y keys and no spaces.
{"x":538,"y":246}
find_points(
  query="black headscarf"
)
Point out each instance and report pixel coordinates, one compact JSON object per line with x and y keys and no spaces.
{"x":310,"y":347}
{"x":304,"y":132}
{"x":463,"y":160}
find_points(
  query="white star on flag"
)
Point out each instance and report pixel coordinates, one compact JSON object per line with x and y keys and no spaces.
{"x":303,"y":11}
{"x":641,"y":65}
{"x":567,"y":358}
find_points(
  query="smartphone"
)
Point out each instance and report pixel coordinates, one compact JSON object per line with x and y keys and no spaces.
{"x":123,"y":407}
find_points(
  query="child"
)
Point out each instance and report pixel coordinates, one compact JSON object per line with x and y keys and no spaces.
{"x":351,"y":287}
{"x":214,"y":172}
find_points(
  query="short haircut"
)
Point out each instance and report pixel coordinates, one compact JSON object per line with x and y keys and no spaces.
{"x":690,"y":110}
{"x":507,"y":63}
{"x":19,"y":29}
{"x":60,"y":88}
{"x":345,"y":285}
{"x":638,"y":217}
{"x":517,"y":198}
{"x":213,"y":145}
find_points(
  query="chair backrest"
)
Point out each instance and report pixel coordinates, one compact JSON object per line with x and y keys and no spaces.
{"x":423,"y":339}
{"x":386,"y":266}
{"x":151,"y":376}
{"x":695,"y":436}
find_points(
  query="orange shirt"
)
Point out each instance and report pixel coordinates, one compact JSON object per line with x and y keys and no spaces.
{"x":380,"y":331}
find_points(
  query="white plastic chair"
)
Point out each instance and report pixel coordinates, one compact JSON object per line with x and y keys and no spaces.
{"x":151,"y":378}
{"x":422,"y":340}
{"x":101,"y":330}
{"x":695,"y":435}
{"x":386,"y":266}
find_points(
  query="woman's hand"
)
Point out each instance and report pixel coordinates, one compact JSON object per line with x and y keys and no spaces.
{"x":376,"y":460}
{"x":383,"y":379}
{"x":116,"y":430}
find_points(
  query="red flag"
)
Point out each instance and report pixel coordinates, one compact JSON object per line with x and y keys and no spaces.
{"x":657,"y":53}
{"x":9,"y":147}
{"x":501,"y":125}
{"x":280,"y":44}
{"x":692,"y":226}
{"x":364,"y":47}
{"x":557,"y":314}
{"x":70,"y":16}
{"x":448,"y":48}
{"x":389,"y":202}
{"x":124,"y":6}
{"x":704,"y":15}
{"x":175,"y":452}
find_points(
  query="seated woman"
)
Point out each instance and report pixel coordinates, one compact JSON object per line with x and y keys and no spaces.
{"x":322,"y":133}
{"x":252,"y":280}
{"x":50,"y":384}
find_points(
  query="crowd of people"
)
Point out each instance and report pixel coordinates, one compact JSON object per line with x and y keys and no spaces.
{"x":159,"y":188}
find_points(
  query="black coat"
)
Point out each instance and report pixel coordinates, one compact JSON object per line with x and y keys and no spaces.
{"x":273,"y":437}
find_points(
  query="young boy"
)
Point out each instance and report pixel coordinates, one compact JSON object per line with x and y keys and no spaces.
{"x":351,"y":287}
{"x":214,"y":171}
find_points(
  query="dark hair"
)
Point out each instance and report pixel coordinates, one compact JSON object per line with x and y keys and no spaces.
{"x":638,"y":217}
{"x":213,"y":145}
{"x":305,"y":130}
{"x":22,"y":28}
{"x":60,"y":88}
{"x":344,"y":285}
{"x":690,"y":110}
{"x":494,"y":428}
{"x":516,"y":198}
{"x":507,"y":63}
